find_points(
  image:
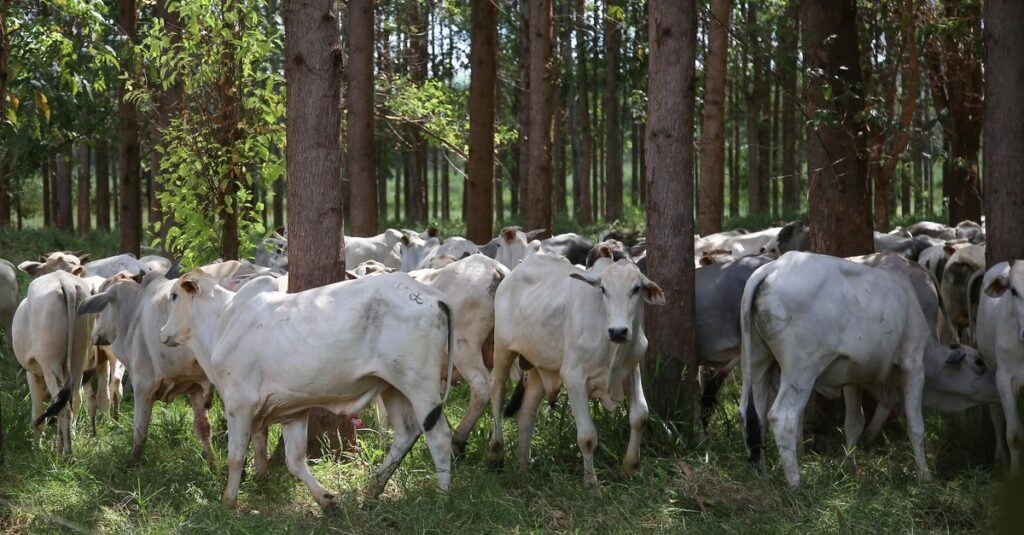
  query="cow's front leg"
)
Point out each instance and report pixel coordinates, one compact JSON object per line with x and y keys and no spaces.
{"x":913,"y":386}
{"x":1014,"y":434}
{"x":239,"y":430}
{"x":638,"y":413}
{"x":586,"y":432}
{"x":201,"y":425}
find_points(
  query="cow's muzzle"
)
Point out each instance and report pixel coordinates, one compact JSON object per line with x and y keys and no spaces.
{"x":169,"y":341}
{"x":618,"y":335}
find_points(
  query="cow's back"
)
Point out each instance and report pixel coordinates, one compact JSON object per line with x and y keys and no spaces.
{"x":718,"y":291}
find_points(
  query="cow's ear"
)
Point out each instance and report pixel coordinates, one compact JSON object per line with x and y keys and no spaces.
{"x":997,"y":287}
{"x":405,"y":240}
{"x":30,"y":267}
{"x":652,"y":292}
{"x":190,"y":286}
{"x":96,"y":303}
{"x":138,"y":277}
{"x":84,"y":258}
{"x":433,"y":232}
{"x":948,"y":249}
{"x":78,"y":271}
{"x":350,"y":276}
{"x":509,"y":234}
{"x":589,"y":278}
{"x":707,"y":260}
{"x":534,"y":233}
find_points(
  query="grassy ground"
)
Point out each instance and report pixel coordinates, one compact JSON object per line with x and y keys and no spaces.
{"x":706,"y":487}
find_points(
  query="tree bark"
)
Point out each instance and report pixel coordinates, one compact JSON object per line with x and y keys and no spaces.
{"x":316,"y":255}
{"x":84,"y":168}
{"x":840,"y":210}
{"x":539,"y":209}
{"x":757,"y":194}
{"x":584,"y":211}
{"x":363,"y":198}
{"x":711,"y":193}
{"x":734,"y":172}
{"x":671,"y":368}
{"x":612,"y":131}
{"x":1004,"y":130}
{"x":47,"y":198}
{"x":102,"y":185}
{"x":790,"y":176}
{"x":62,"y":190}
{"x":522,"y":175}
{"x":483,"y":72}
{"x":5,"y":192}
{"x":129,"y":172}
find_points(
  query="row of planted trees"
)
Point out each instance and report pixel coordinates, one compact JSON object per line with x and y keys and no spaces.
{"x":200,"y":134}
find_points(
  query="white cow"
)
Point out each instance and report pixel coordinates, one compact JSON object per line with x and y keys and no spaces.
{"x":419,"y":253}
{"x":1000,"y":336}
{"x":273,"y":356}
{"x":513,"y":245}
{"x":579,"y":328}
{"x":56,"y":261}
{"x":8,"y":301}
{"x":826,"y":323}
{"x":751,"y":243}
{"x":469,"y":286}
{"x":382,"y":248}
{"x":52,"y":344}
{"x":130,"y":317}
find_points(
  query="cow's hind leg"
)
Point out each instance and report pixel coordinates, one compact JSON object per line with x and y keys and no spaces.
{"x":259,"y":452}
{"x":103,"y":369}
{"x":294,"y":434}
{"x":37,"y":390}
{"x":477,"y":377}
{"x":239,"y":431}
{"x":528,"y":415}
{"x":407,"y":430}
{"x":428,"y":410}
{"x":91,"y":403}
{"x":201,"y":425}
{"x":853,"y":426}
{"x":995,"y":412}
{"x":638,"y":413}
{"x":785,"y":417}
{"x":499,"y":376}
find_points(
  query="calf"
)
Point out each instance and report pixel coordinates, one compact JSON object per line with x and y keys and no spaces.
{"x":52,"y":344}
{"x":577,"y":328}
{"x":273,"y":356}
{"x":826,"y":323}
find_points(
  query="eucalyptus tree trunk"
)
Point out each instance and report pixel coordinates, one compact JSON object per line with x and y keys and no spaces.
{"x":612,"y":132}
{"x":539,"y":209}
{"x":363,"y":197}
{"x":582,"y":205}
{"x":129,"y":154}
{"x":84,"y":168}
{"x":102,"y":185}
{"x":711,"y":194}
{"x":483,"y":60}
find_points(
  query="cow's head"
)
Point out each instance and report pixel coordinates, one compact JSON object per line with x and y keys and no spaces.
{"x":115,"y":291}
{"x":1011,"y":286}
{"x":178,"y":329}
{"x":623,"y":291}
{"x":57,"y":261}
{"x":414,"y":251}
{"x":515,"y":245}
{"x":958,"y":372}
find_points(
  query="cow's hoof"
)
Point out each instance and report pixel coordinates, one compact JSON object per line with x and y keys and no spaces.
{"x":595,"y":489}
{"x":229,"y":502}
{"x":630,"y":468}
{"x":329,"y":505}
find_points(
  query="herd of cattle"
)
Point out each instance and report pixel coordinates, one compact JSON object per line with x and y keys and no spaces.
{"x":418,"y":313}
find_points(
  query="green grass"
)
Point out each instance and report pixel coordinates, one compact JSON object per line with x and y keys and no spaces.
{"x":704,"y":487}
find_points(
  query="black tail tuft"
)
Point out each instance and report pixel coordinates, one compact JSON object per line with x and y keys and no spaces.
{"x":755,"y":441}
{"x":87,"y":376}
{"x":516,"y":400}
{"x":432,"y":418}
{"x":63,"y":397}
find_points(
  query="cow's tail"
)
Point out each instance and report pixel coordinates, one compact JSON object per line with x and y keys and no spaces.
{"x":436,"y":413}
{"x":973,"y":297}
{"x":944,"y":329}
{"x":753,"y":353}
{"x":73,"y":365}
{"x":516,"y":401}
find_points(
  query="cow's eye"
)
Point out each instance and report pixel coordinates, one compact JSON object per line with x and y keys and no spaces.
{"x":174,"y":297}
{"x":636,"y":289}
{"x":602,"y":290}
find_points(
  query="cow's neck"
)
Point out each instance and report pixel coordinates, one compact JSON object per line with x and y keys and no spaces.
{"x":128,"y":323}
{"x":207,"y":319}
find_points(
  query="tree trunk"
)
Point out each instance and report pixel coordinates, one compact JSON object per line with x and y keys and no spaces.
{"x":711,"y":193}
{"x":840,"y":210}
{"x":522,"y":176}
{"x":634,"y":163}
{"x":363,"y":208}
{"x":84,"y":168}
{"x":102,"y":185}
{"x":129,"y":172}
{"x":671,"y":368}
{"x":734,"y":173}
{"x":755,"y":92}
{"x":63,"y":218}
{"x":539,"y":207}
{"x":1004,"y":131}
{"x":790,"y":174}
{"x":483,"y":71}
{"x":612,"y":134}
{"x":47,"y":180}
{"x":5,"y":193}
{"x":316,"y":255}
{"x":584,"y":211}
